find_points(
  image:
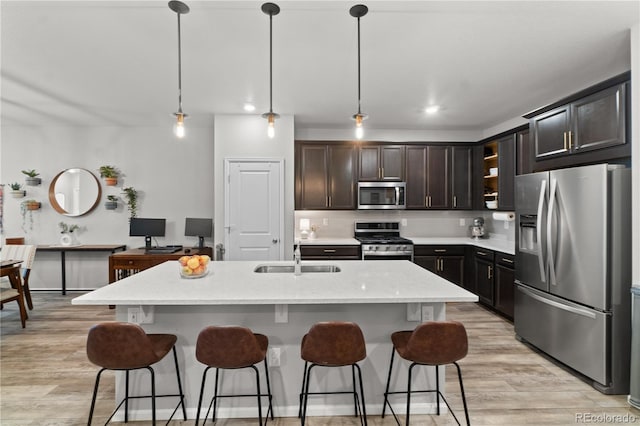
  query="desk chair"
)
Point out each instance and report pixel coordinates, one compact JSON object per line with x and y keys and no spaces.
{"x":27,"y":254}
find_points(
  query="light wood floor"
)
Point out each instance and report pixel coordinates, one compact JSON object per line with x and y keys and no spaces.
{"x":45,"y":377}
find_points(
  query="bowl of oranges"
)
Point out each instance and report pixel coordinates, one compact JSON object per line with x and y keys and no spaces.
{"x":196,"y":266}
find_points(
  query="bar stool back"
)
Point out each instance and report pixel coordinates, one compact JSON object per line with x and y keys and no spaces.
{"x":333,"y":344}
{"x":232,"y":347}
{"x":432,"y":343}
{"x":125,"y":346}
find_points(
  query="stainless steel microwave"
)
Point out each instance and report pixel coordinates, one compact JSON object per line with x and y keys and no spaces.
{"x":381,"y":195}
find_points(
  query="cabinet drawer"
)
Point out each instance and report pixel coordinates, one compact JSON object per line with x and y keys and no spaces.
{"x":428,"y":250}
{"x":483,"y":254}
{"x":332,"y":252}
{"x":506,"y":260}
{"x":128,"y":263}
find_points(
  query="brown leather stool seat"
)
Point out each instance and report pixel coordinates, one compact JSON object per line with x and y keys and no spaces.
{"x":232,"y":347}
{"x":333,"y":344}
{"x":125,"y":346}
{"x":433,"y":343}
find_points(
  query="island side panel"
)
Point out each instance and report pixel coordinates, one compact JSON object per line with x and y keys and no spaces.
{"x":377,"y":321}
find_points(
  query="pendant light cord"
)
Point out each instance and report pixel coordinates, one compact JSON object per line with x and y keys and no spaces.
{"x":359,"y":112}
{"x":271,"y":62}
{"x":179,"y":68}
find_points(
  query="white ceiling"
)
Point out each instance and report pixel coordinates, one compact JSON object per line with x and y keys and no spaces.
{"x":114,"y":63}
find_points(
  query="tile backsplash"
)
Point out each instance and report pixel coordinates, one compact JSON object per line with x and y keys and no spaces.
{"x":448,"y":223}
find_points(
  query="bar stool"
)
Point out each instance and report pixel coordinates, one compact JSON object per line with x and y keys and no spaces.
{"x":125,"y":346}
{"x":232,"y":347}
{"x":433,"y":343}
{"x":333,"y":344}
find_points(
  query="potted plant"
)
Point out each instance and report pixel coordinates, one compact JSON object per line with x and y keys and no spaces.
{"x":132,"y":200}
{"x":16,"y":190}
{"x":32,"y":179}
{"x":110,"y":175}
{"x":111,"y":203}
{"x":66,"y":239}
{"x":27,"y":207}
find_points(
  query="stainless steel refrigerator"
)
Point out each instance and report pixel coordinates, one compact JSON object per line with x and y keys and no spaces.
{"x":573,"y":270}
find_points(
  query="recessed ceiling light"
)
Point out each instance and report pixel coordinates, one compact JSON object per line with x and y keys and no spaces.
{"x":249,"y":107}
{"x":432,"y":109}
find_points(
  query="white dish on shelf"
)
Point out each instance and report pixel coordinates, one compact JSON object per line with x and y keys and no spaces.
{"x":491,"y":204}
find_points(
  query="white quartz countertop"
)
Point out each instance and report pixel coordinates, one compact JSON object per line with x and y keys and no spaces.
{"x":496,"y":244}
{"x":235,"y":283}
{"x":330,"y":242}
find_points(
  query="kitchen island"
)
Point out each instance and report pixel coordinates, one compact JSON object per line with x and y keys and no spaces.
{"x":380,"y":296}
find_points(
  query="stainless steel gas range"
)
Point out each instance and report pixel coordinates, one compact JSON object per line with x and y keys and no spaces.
{"x":382,"y":241}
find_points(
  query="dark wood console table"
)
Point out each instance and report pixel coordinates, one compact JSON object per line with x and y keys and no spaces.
{"x":80,"y":248}
{"x":129,"y":262}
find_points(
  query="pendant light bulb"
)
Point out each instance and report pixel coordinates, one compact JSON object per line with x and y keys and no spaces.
{"x":178,"y":129}
{"x":271,"y":129}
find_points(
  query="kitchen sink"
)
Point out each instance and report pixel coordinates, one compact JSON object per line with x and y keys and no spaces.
{"x":262,"y":269}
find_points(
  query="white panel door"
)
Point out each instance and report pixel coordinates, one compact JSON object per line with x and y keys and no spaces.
{"x":254,"y":209}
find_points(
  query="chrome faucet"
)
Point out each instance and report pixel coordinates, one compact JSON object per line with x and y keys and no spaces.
{"x":297,"y":268}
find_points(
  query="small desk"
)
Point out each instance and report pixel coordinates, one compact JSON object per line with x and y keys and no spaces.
{"x":126,"y":263}
{"x":79,"y":248}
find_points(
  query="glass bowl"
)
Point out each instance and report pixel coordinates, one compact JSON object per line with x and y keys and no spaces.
{"x":196,"y":266}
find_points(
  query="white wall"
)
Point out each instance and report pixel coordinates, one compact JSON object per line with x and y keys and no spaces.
{"x":242,"y":136}
{"x":174,"y":179}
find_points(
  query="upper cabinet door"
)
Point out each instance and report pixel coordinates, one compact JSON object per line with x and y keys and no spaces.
{"x":461,"y":177}
{"x":381,"y":163}
{"x":598,"y":121}
{"x":438,"y":177}
{"x":506,"y":172}
{"x":342,"y":177}
{"x":416,"y":166}
{"x":551,"y":132}
{"x":313,"y":167}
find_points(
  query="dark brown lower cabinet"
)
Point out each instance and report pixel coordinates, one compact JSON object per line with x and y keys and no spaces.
{"x":322,"y":252}
{"x":445,"y":261}
{"x":504,"y":281}
{"x":483,"y":261}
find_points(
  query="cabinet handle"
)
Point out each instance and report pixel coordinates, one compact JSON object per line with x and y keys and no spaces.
{"x":570,"y":139}
{"x":429,"y":198}
{"x":455,"y":201}
{"x":426,"y":201}
{"x":440,"y":250}
{"x":564,"y":140}
{"x":329,"y":197}
{"x":507,"y":260}
{"x":481,"y":253}
{"x":381,"y":172}
{"x":489,"y":271}
{"x":329,"y":251}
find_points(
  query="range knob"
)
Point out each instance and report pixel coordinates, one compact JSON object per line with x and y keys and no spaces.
{"x":387,"y":248}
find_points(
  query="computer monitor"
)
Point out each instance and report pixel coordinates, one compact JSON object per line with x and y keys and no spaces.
{"x":147,"y":228}
{"x":198,"y":227}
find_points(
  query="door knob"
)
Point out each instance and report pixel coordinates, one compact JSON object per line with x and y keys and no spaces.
{"x":274,"y":241}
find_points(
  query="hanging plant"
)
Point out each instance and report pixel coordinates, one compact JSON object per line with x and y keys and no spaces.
{"x":32,"y":178}
{"x":16,"y":190}
{"x":110,"y":175}
{"x":132,"y":200}
{"x":111,"y":203}
{"x":26,"y":208}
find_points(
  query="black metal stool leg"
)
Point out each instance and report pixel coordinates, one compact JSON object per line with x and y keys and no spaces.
{"x":386,"y":391}
{"x":126,"y":397}
{"x":175,"y":359}
{"x":259,"y":396}
{"x":304,"y":377}
{"x":464,"y":399}
{"x":364,"y":408}
{"x":204,"y":378}
{"x":215,"y":397}
{"x":153,"y":396}
{"x":95,"y":394}
{"x":409,"y":393}
{"x":266,"y":371}
{"x":306,"y":394}
{"x":437,"y":390}
{"x":355,"y":394}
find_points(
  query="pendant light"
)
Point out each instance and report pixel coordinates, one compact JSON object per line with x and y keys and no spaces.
{"x":358,"y":11}
{"x":270,"y":9}
{"x":179,"y":8}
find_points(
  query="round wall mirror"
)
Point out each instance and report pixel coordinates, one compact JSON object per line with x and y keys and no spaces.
{"x":74,"y":192}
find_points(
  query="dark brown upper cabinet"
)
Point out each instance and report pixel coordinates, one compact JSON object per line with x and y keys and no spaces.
{"x":590,"y":122}
{"x":325,"y":176}
{"x":461,"y":177}
{"x":524,"y":153}
{"x":381,"y":162}
{"x":427,"y":169}
{"x":506,"y":172}
{"x":498,"y":168}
